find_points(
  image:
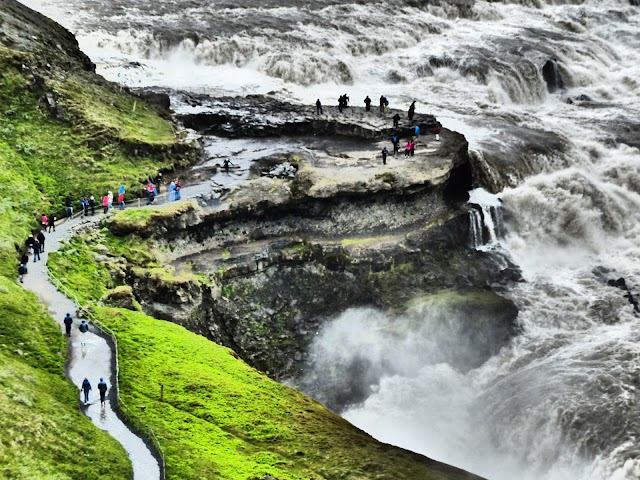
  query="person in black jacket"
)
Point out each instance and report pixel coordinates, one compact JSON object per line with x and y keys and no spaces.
{"x":367,"y":104}
{"x":24,"y":260}
{"x":52,"y":223}
{"x":36,"y":251}
{"x":412,"y":110}
{"x":21,"y":271}
{"x":318,"y":107}
{"x":41,"y":238}
{"x":68,"y":322}
{"x":102,"y":388}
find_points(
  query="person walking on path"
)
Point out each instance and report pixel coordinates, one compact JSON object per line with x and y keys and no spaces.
{"x":102,"y":388}
{"x":412,"y":110}
{"x":21,"y":271}
{"x":36,"y":251}
{"x":92,"y":204}
{"x":24,"y":261}
{"x":84,"y":328}
{"x":178,"y":188}
{"x":367,"y":104}
{"x":158,"y":182}
{"x":68,"y":322}
{"x":67,"y":203}
{"x":86,"y":388}
{"x":385,"y":152}
{"x":52,"y":223}
{"x":318,"y":107}
{"x":110,"y":198}
{"x":151,"y":189}
{"x":105,"y":203}
{"x":45,"y":222}
{"x":121,"y":200}
{"x":85,"y":206}
{"x":172,"y":191}
{"x":396,"y":120}
{"x":41,"y":239}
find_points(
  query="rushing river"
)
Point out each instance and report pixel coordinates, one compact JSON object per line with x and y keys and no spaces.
{"x":549,"y":91}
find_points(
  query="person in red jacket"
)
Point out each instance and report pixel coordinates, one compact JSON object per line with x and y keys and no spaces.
{"x":437,"y":131}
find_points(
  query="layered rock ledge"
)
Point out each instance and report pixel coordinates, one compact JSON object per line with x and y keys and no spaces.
{"x":284,"y":255}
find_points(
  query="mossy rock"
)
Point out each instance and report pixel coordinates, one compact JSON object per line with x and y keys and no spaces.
{"x":122,"y":297}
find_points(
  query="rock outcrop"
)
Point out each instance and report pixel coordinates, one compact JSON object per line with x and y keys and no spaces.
{"x":284,"y":255}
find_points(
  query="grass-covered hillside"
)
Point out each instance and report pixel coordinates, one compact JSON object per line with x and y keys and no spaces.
{"x":63,"y":131}
{"x":219,"y":418}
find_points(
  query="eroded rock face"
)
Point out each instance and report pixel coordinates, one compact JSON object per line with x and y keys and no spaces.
{"x":282,"y":256}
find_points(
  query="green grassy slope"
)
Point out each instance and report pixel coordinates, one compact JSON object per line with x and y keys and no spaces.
{"x":220,"y":418}
{"x":95,"y":141}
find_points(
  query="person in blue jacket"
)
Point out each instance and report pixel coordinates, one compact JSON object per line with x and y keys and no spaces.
{"x":86,"y":388}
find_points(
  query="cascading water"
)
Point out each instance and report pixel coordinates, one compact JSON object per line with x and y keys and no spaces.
{"x":486,"y":219}
{"x":560,"y":400}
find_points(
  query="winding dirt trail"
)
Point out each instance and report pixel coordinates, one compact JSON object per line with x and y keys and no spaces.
{"x":91,"y":358}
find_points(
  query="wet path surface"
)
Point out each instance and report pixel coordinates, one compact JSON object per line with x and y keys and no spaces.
{"x":89,"y":356}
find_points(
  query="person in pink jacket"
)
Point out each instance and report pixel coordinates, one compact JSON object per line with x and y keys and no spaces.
{"x":105,"y":203}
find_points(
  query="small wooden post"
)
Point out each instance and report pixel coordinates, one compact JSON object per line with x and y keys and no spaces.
{"x":162,"y":392}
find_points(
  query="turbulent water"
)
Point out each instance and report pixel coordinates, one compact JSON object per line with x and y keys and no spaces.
{"x":549,"y":91}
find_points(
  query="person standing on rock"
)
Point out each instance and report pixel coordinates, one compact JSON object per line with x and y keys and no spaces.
{"x":382,"y":102}
{"x":102,"y":388}
{"x":340,"y":103}
{"x":52,"y":223}
{"x":396,"y":144}
{"x":367,"y":104}
{"x":227,"y":164}
{"x":407,"y":149}
{"x":21,"y":272}
{"x":412,"y":148}
{"x":417,"y":131}
{"x":437,"y":131}
{"x":396,"y":120}
{"x":41,"y":239}
{"x":385,"y":152}
{"x":412,"y":110}
{"x":86,"y":388}
{"x":318,"y":107}
{"x":68,"y":322}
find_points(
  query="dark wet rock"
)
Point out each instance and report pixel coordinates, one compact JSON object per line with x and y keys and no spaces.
{"x":22,"y":29}
{"x":260,"y":116}
{"x":552,"y":76}
{"x":161,"y":102}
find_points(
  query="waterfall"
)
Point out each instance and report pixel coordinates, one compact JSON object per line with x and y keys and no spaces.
{"x":485,"y":219}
